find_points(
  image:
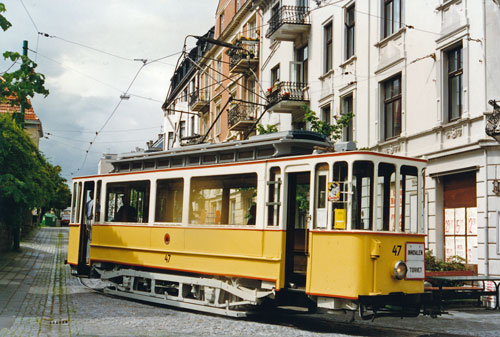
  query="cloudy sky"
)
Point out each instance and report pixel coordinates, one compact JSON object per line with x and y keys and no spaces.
{"x":89,"y":62}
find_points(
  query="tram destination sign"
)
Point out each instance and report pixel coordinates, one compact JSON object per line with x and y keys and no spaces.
{"x":415,"y":261}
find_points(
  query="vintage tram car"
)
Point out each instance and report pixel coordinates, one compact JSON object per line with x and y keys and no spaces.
{"x":274,"y":219}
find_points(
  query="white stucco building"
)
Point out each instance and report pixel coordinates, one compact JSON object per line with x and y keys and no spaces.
{"x":418,"y":76}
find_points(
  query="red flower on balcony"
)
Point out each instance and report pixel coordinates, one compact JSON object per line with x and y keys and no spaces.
{"x":286,"y":95}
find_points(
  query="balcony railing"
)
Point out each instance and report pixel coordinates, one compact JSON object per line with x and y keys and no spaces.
{"x":293,"y":15}
{"x":197,"y":101}
{"x":241,"y":60}
{"x":242,"y":116}
{"x":286,"y":91}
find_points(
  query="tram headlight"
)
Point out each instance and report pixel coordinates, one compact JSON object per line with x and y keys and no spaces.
{"x":400,"y":270}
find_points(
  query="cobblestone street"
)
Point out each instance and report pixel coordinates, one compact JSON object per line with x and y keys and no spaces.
{"x":39,"y":297}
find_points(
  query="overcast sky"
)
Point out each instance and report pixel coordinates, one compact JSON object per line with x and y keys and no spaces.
{"x":85,"y":84}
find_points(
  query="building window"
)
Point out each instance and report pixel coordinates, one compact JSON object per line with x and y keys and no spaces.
{"x":238,"y":5}
{"x":392,"y":107}
{"x":328,"y":47}
{"x":326,"y":113}
{"x":250,"y":86}
{"x":455,"y":72}
{"x":218,"y":75}
{"x":347,"y":134}
{"x":170,"y":143}
{"x":349,"y":32}
{"x":192,"y":126}
{"x":221,"y":21}
{"x":182,"y":129}
{"x":300,"y":72}
{"x":252,"y":30}
{"x":275,"y":74}
{"x":217,"y":123}
{"x":392,"y":16}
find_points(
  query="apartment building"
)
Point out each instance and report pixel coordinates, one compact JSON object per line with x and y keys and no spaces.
{"x":418,"y":76}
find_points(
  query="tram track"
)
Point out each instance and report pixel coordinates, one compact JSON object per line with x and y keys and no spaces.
{"x":315,"y":323}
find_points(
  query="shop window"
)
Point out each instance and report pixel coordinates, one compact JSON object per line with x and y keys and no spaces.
{"x":211,"y":199}
{"x":169,"y":196}
{"x":460,"y":216}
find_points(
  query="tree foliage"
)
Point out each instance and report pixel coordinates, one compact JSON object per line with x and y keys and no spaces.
{"x":27,"y":179}
{"x":332,"y":131}
{"x":270,"y":128}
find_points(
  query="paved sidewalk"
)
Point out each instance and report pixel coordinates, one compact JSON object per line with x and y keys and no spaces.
{"x":33,"y":299}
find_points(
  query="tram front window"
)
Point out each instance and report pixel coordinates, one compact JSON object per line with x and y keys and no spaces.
{"x":337,"y":195}
{"x":127,"y":201}
{"x":214,"y":198}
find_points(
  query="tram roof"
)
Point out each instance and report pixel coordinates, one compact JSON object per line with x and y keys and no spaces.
{"x":260,"y":147}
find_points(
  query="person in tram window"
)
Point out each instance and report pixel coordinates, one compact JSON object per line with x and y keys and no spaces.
{"x":126,"y":213}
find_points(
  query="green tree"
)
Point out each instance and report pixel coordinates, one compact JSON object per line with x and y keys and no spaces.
{"x":27,"y":180}
{"x":270,"y":128}
{"x":332,"y":131}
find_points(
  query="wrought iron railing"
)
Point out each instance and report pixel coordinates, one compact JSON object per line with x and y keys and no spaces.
{"x":286,"y":91}
{"x":242,"y":112}
{"x":288,"y":14}
{"x":197,"y":97}
{"x":235,"y":56}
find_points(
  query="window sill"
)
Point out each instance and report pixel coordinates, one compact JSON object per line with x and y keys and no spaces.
{"x":349,"y":61}
{"x":327,"y":74}
{"x":446,"y":4}
{"x":394,"y":36}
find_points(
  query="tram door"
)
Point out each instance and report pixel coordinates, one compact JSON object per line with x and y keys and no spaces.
{"x":296,"y":231}
{"x":85,"y":225}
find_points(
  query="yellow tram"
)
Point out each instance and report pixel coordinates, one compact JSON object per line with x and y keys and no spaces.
{"x":276,"y":218}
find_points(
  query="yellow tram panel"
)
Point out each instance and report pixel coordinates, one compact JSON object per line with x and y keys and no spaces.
{"x":73,"y":244}
{"x":235,"y":252}
{"x":344,"y":264}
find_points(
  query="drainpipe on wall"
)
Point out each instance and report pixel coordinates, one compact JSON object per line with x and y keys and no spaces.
{"x":486,"y":210}
{"x":486,"y":239}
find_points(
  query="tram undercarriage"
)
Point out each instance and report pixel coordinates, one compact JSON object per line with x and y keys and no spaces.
{"x":236,"y":297}
{"x":219,"y":295}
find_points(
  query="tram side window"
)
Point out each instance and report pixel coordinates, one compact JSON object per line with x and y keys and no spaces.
{"x":273,"y":197}
{"x":127,"y":201}
{"x":169,"y":195}
{"x":386,"y":198}
{"x":214,"y":198}
{"x":409,"y":198}
{"x":362,"y":196}
{"x":73,"y":207}
{"x":337,"y":195}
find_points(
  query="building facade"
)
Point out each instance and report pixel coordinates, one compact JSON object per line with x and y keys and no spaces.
{"x":418,"y":76}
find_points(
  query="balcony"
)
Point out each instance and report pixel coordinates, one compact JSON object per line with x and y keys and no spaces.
{"x":241,"y":60}
{"x":198,"y":102}
{"x":242,"y":116}
{"x":287,"y":97}
{"x":289,"y":23}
